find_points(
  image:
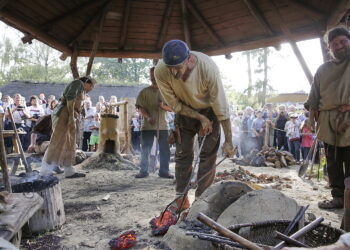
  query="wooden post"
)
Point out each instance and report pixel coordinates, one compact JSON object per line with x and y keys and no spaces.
{"x":3,"y":161}
{"x":97,"y":39}
{"x":292,"y":42}
{"x":27,"y":167}
{"x":301,"y":61}
{"x":126,"y":128}
{"x":73,"y":62}
{"x":185,"y":23}
{"x":267,"y":134}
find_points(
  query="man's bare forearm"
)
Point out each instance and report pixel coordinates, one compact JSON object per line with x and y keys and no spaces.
{"x":187,"y":111}
{"x":226,"y":126}
{"x":143,"y":112}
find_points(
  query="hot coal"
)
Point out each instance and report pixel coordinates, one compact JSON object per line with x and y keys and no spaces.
{"x":161,"y":224}
{"x":34,"y":183}
{"x":124,"y":241}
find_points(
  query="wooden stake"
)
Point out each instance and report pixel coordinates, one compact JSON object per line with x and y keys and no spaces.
{"x":227,"y":233}
{"x":27,"y":167}
{"x":3,"y":161}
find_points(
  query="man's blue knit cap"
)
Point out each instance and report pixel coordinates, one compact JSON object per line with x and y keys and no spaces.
{"x":175,"y":52}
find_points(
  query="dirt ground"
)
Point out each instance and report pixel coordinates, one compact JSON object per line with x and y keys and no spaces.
{"x":91,"y":222}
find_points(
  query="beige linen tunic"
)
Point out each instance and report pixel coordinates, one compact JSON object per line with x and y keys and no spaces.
{"x":61,"y":150}
{"x":331,"y":89}
{"x":149,"y":99}
{"x":203,"y":89}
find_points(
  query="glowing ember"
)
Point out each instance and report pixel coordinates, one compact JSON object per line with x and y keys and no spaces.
{"x":160,"y":227}
{"x":124,"y":241}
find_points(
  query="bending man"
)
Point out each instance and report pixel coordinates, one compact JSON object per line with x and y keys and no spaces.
{"x":190,"y":83}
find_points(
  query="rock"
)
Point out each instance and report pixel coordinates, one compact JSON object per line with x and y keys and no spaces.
{"x":80,"y":156}
{"x":261,"y":205}
{"x":217,"y":198}
{"x":176,"y":239}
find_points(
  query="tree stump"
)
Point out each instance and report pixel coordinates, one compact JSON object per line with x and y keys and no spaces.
{"x":51,"y":214}
{"x":108,"y":152}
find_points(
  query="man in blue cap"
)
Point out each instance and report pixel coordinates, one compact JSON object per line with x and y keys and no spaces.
{"x":190,"y":84}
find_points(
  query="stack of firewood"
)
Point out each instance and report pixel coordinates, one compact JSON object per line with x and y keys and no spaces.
{"x":277,"y":159}
{"x":268,"y":156}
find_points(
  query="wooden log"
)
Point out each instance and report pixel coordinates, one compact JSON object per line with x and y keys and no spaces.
{"x":21,"y":209}
{"x":227,"y":233}
{"x":51,"y":215}
{"x":3,"y":160}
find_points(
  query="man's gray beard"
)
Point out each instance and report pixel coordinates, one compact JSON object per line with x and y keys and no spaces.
{"x":339,"y":57}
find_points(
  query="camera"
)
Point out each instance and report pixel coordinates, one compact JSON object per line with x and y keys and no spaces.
{"x":20,"y":107}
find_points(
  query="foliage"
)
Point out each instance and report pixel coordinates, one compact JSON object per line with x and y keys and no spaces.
{"x":255,"y":94}
{"x":40,"y":63}
{"x":129,"y":72}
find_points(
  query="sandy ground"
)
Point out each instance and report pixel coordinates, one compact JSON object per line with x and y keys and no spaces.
{"x":91,"y":222}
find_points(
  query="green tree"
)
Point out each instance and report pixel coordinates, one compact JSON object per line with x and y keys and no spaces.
{"x":129,"y":71}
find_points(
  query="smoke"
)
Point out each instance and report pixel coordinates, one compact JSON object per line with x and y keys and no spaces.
{"x":47,"y":169}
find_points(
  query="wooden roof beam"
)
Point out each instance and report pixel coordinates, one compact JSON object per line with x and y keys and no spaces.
{"x":165,"y":23}
{"x":204,"y":24}
{"x":292,"y":42}
{"x":24,"y":26}
{"x":338,"y":12}
{"x":92,"y":22}
{"x":186,"y":28}
{"x":3,"y":3}
{"x":97,"y":37}
{"x":256,"y":13}
{"x":80,"y":9}
{"x":307,"y":10}
{"x":124,"y":30}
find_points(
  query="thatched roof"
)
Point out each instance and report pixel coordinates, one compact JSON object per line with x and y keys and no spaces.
{"x":138,"y":28}
{"x":27,"y":89}
{"x":288,"y":97}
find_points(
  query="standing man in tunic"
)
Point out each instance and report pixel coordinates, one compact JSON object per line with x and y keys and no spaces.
{"x":329,"y":105}
{"x":191,"y":85}
{"x":153,"y":111}
{"x":61,"y":150}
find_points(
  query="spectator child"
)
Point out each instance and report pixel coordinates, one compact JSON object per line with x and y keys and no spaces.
{"x":95,"y":129}
{"x":293,"y":132}
{"x":258,"y":130}
{"x":306,"y":139}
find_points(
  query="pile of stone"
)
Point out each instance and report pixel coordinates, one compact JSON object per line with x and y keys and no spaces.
{"x":268,"y":156}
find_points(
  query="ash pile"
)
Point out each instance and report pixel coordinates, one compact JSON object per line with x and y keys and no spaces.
{"x":269,"y":157}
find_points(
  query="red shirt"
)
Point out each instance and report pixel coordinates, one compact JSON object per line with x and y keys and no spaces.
{"x":306,"y":140}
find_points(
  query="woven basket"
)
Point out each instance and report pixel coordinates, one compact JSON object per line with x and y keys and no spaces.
{"x":262,"y":233}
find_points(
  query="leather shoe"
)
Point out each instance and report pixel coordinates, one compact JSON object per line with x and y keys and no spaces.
{"x":141,"y":175}
{"x":167,"y":176}
{"x":336,"y":202}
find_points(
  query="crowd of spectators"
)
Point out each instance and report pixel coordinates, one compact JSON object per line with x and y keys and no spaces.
{"x":284,"y":128}
{"x":28,"y":113}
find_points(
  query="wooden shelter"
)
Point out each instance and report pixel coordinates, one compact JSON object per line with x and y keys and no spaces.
{"x":139,"y":28}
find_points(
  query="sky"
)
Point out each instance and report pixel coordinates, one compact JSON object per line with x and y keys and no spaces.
{"x":285,"y":73}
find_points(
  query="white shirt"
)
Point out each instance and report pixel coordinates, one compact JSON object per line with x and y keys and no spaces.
{"x":87,"y":121}
{"x":34,"y":111}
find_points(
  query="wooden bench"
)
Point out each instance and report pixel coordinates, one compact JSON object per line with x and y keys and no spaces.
{"x":20,"y":208}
